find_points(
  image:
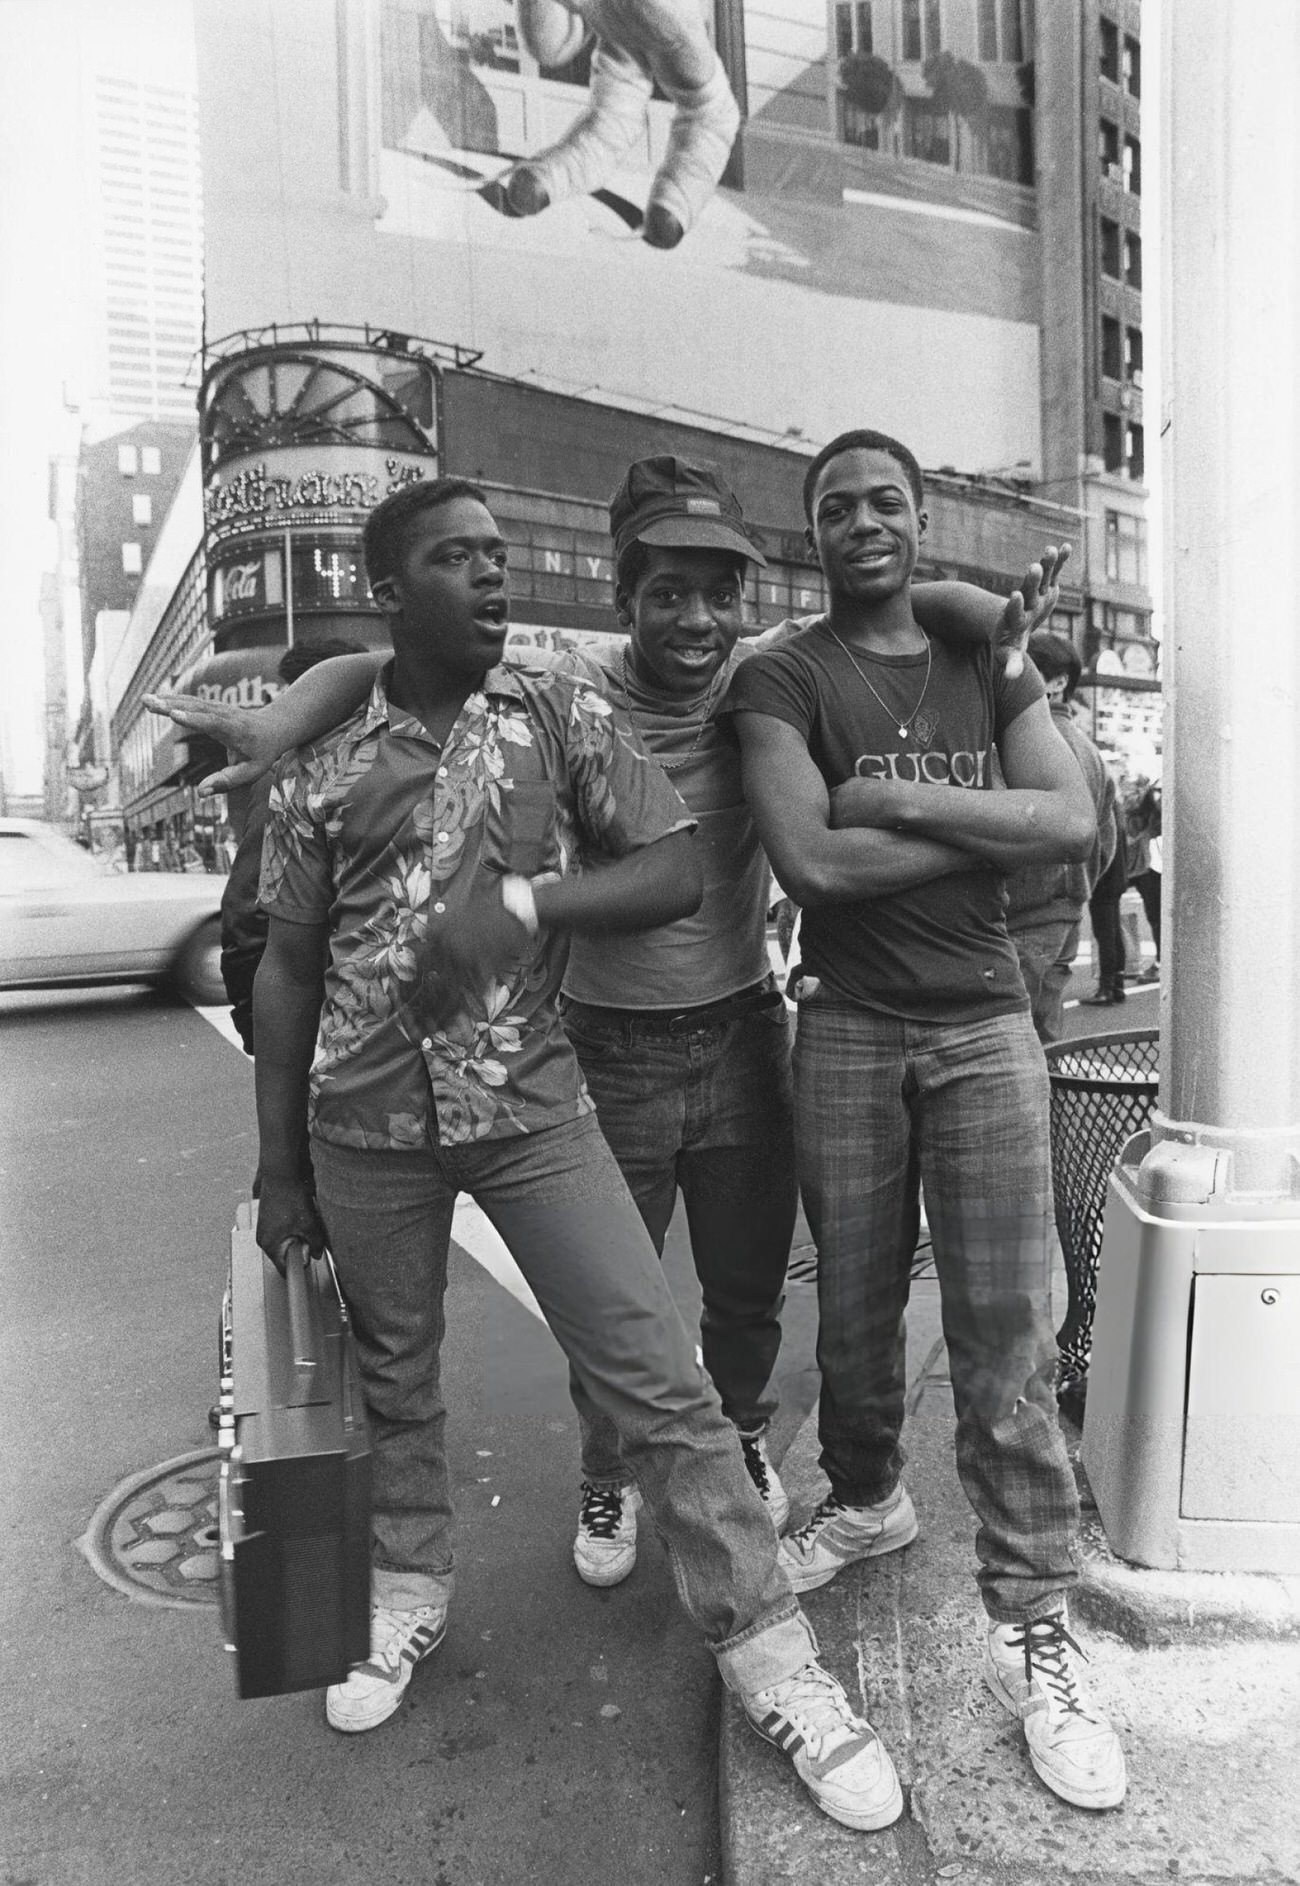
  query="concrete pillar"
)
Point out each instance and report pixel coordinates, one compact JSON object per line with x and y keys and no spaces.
{"x":1189,"y":1436}
{"x":1228,"y":1126}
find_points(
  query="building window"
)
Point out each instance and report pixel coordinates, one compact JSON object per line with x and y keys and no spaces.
{"x":150,"y":460}
{"x":1133,"y":354}
{"x":928,"y":132}
{"x":1126,"y":548}
{"x":1110,"y":263}
{"x":1007,"y":44}
{"x":126,"y":460}
{"x":1132,"y":258}
{"x":1108,"y":59}
{"x":1132,"y":68}
{"x":853,"y":28}
{"x":933,"y":27}
{"x":1135,"y":454}
{"x":1133,"y":166}
{"x":141,"y":508}
{"x":988,"y":30}
{"x":1122,"y":624}
{"x":1009,"y":143}
{"x":1110,"y":347}
{"x":922,"y":29}
{"x":858,"y":126}
{"x":1112,"y":441}
{"x":1013,"y":33}
{"x":912,"y":29}
{"x":132,"y":560}
{"x":1108,"y":149}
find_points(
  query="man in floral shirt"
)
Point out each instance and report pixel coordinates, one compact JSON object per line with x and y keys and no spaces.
{"x":423,"y":866}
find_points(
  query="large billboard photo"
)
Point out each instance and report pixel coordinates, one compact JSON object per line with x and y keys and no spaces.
{"x":854,"y":266}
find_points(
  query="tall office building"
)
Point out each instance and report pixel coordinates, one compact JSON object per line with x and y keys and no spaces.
{"x":143,"y":165}
{"x":1091,"y":182}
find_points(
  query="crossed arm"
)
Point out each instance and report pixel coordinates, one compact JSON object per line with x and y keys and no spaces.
{"x":870,"y":838}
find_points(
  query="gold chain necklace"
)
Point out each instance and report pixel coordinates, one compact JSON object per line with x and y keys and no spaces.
{"x":903,"y":725}
{"x":672,"y":766}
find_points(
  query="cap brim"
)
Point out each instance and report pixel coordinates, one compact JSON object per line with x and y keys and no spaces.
{"x":699,"y":533}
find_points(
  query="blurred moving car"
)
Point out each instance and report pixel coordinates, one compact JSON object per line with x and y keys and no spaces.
{"x":66,"y":917}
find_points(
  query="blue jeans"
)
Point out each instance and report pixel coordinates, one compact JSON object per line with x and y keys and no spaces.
{"x":708,"y":1110}
{"x":1046,"y":952}
{"x":560,"y":1204}
{"x":882,"y":1106}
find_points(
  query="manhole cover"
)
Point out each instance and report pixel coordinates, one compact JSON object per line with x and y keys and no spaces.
{"x":155,"y":1536}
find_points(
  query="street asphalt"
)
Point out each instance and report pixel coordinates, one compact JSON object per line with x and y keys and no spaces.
{"x":558,"y":1735}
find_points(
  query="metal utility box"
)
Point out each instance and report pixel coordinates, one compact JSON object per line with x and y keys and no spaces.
{"x":1191,"y":1434}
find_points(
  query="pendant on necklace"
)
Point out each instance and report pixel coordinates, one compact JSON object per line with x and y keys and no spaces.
{"x":902,"y":733}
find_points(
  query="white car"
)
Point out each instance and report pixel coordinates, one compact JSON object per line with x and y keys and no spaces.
{"x":65,"y":917}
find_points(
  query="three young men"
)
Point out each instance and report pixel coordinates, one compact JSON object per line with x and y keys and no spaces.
{"x":867,"y":751}
{"x":679,"y":1030}
{"x":419,"y":883}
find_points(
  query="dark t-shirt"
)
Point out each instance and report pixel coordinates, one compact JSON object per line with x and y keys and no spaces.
{"x":940,"y":951}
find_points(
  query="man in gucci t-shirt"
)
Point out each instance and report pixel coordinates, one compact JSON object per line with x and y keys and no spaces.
{"x":868,"y":755}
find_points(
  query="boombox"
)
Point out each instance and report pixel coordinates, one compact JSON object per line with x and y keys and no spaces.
{"x":294,"y":1492}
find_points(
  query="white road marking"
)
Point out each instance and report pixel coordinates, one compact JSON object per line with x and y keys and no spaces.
{"x":479,"y":1239}
{"x":219,"y":1018}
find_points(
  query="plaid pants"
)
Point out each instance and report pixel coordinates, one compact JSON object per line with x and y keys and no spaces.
{"x":881,"y":1107}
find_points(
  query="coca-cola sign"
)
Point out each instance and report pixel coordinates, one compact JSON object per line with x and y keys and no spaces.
{"x":243,"y":582}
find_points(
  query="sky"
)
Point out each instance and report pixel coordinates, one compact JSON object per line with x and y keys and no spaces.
{"x":46,"y":48}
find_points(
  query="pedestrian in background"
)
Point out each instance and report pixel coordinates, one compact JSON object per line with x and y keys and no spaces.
{"x":1144,"y":825}
{"x":243,"y":921}
{"x":1045,"y":902}
{"x":1107,"y":926}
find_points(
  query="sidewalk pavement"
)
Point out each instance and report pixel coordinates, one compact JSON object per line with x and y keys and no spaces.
{"x":1200,"y":1675}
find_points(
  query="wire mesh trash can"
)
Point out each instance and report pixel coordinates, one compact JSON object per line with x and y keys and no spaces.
{"x":1103,"y":1090}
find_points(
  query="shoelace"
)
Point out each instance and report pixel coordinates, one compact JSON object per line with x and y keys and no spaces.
{"x":757,"y":1465}
{"x":1047,"y":1644}
{"x":824,"y":1510}
{"x":815,"y":1698}
{"x":602,"y":1510}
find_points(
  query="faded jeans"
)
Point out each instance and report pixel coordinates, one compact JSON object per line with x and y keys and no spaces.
{"x":706,"y":1109}
{"x":559,"y":1202}
{"x":882,"y":1105}
{"x":1046,"y":952}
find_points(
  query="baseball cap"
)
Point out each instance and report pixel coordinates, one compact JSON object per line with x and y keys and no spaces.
{"x":669,"y":501}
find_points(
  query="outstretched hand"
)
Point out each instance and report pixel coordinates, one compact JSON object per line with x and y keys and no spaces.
{"x":1030,"y":607}
{"x":235,"y":728}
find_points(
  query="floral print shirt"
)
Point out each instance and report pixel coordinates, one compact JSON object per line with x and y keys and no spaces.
{"x":379,"y":833}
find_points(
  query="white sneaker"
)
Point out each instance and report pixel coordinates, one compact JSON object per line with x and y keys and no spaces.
{"x":1073,"y":1748}
{"x":766,"y":1479}
{"x":836,"y":1535}
{"x":604,"y":1549}
{"x":374,"y":1689}
{"x":837,"y":1755}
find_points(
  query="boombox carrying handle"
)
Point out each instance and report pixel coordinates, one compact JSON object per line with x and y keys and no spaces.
{"x":304,"y":1327}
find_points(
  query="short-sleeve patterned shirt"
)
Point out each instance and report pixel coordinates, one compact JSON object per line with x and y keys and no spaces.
{"x":379,"y":833}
